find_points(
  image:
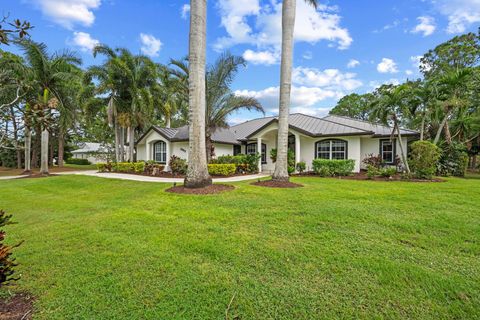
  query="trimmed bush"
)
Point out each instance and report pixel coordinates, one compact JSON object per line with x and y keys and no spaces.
{"x":82,"y":162}
{"x":224,"y":169}
{"x":372,"y":171}
{"x":301,"y":166}
{"x":153,"y":169}
{"x":388,"y":172}
{"x":423,"y":160}
{"x":139,"y":167}
{"x":453,"y":161}
{"x":101,"y":166}
{"x":178,"y":165}
{"x":244,"y":163}
{"x":325,"y":167}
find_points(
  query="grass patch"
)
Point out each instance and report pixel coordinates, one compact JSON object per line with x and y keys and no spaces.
{"x":111,"y":249}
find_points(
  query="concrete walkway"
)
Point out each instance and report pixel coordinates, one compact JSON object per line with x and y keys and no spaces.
{"x":12,"y":177}
{"x":133,"y":177}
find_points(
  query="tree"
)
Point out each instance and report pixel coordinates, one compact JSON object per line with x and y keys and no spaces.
{"x":49,"y":73}
{"x":354,"y":105}
{"x":288,"y":24}
{"x":16,"y":28}
{"x":197,"y":173}
{"x":220,"y":100}
{"x":389,"y":106}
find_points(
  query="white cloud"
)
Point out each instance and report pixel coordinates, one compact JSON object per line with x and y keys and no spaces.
{"x":307,"y":55}
{"x":377,"y":84}
{"x":426,"y":26}
{"x":247,"y":22}
{"x":150,"y":45}
{"x":460,"y":13}
{"x":69,"y":12}
{"x":408,"y":72}
{"x":417,"y":62}
{"x":387,"y":66}
{"x":261,"y":57}
{"x":185,"y":11}
{"x":332,"y":79}
{"x":353,"y":63}
{"x":84,"y":41}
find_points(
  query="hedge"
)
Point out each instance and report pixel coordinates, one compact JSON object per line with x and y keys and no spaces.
{"x":226,"y":169}
{"x":424,"y":157}
{"x":82,"y":162}
{"x":326,"y":168}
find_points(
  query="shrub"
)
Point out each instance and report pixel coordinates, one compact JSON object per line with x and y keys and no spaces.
{"x":7,"y":263}
{"x":224,"y":169}
{"x":388,"y":172}
{"x":82,"y":162}
{"x":372,"y":171}
{"x":290,"y":159}
{"x":301,"y":166}
{"x":153,"y":169}
{"x":325,"y":167}
{"x":124,"y":167}
{"x":251,"y":162}
{"x":101,"y":166}
{"x":178,"y":165}
{"x":375,"y":161}
{"x":453,"y":161}
{"x":139,"y":167}
{"x":423,"y":160}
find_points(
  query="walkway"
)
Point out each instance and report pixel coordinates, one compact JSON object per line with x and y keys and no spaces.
{"x":133,"y":177}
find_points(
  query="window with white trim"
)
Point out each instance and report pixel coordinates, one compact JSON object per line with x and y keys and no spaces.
{"x":331,"y":149}
{"x":252,"y":149}
{"x":160,"y":152}
{"x":387,"y":150}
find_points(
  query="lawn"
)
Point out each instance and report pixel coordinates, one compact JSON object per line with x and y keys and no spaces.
{"x":336,"y":249}
{"x":67,"y":167}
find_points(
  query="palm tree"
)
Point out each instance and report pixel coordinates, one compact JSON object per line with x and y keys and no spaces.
{"x":197,"y":173}
{"x":390,"y":106}
{"x":49,"y":74}
{"x":220,"y":100}
{"x":452,"y":88}
{"x":288,"y":24}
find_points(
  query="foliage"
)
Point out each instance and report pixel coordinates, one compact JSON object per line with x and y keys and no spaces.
{"x":354,"y":106}
{"x":104,"y":166}
{"x":139,"y":167}
{"x":251,"y":161}
{"x":453,"y":161}
{"x":324,"y":167}
{"x":372,"y":171}
{"x":290,"y":157}
{"x":424,"y":156}
{"x":125,"y":167}
{"x":153,"y":169}
{"x":178,"y":165}
{"x":301,"y":166}
{"x":244,"y":163}
{"x":7,"y":263}
{"x":388,"y":172}
{"x":226,"y":169}
{"x":17,"y":28}
{"x":77,"y":161}
{"x":372,"y":160}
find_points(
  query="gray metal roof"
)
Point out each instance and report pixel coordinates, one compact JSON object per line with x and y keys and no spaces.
{"x":377,"y":129}
{"x":312,"y":126}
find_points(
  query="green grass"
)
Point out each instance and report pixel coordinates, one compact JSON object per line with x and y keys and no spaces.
{"x":81,"y":166}
{"x":336,"y":249}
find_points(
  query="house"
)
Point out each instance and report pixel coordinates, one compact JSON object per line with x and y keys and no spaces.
{"x":331,"y":137}
{"x":92,"y":151}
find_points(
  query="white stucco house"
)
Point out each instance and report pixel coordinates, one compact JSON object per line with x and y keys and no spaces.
{"x":92,"y":151}
{"x":331,"y":137}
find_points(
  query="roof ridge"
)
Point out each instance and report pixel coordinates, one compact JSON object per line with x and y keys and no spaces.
{"x":252,"y":120}
{"x":346,"y":125}
{"x":367,"y":122}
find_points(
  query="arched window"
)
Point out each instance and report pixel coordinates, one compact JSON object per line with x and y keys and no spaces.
{"x":332,"y":149}
{"x":160,"y":152}
{"x":252,"y":149}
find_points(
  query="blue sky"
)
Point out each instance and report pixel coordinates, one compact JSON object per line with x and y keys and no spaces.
{"x":345,"y":46}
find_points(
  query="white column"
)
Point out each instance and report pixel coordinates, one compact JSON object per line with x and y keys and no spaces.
{"x":297,"y":149}
{"x":147,"y":151}
{"x":259,"y":150}
{"x":169,"y":155}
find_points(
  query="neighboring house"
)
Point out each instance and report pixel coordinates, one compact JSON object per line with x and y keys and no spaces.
{"x":331,"y":137}
{"x":92,"y":151}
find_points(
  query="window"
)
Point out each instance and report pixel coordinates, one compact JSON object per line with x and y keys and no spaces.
{"x":331,"y":149}
{"x":237,"y":149}
{"x":160,"y":152}
{"x":252,"y":149}
{"x":387,"y":151}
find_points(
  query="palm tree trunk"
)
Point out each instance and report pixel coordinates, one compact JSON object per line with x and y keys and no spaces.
{"x":122,"y":144}
{"x":44,"y":153}
{"x":422,"y":128}
{"x":197,"y":173}
{"x":448,"y":135}
{"x":208,"y":147}
{"x":61,"y":148}
{"x":50,"y":154}
{"x":15,"y":139}
{"x":28,"y":145}
{"x":131,"y":143}
{"x":288,"y":23}
{"x":117,"y":141}
{"x":440,"y":129}
{"x":168,"y":122}
{"x":400,"y":143}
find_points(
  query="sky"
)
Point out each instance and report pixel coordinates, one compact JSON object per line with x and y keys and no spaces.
{"x":344,"y":46}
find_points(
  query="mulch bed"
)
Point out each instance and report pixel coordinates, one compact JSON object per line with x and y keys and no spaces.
{"x":277,"y":184}
{"x":363,"y":176}
{"x":18,"y":307}
{"x":167,"y":174}
{"x":212,"y":189}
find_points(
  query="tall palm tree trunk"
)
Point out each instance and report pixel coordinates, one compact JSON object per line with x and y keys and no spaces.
{"x":288,"y":24}
{"x":28,"y":146}
{"x":402,"y":149}
{"x":131,"y":143}
{"x":61,"y":148}
{"x":440,"y":129}
{"x":122,"y":144}
{"x":448,"y":134}
{"x":116,"y":129}
{"x":44,"y":152}
{"x":197,"y":173}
